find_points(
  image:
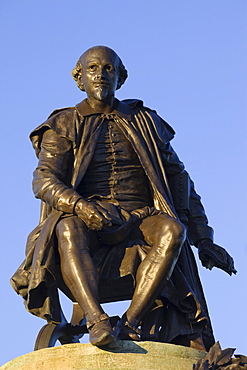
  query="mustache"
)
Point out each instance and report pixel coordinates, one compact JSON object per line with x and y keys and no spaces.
{"x":99,"y":81}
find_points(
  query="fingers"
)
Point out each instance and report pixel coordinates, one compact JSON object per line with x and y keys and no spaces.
{"x":94,"y":217}
{"x":231,"y":268}
{"x":106,"y":216}
{"x":210,"y":264}
{"x":95,"y":221}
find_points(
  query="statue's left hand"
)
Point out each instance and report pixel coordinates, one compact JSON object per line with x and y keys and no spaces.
{"x":212,"y":255}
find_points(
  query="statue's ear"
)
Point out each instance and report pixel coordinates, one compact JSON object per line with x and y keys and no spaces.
{"x":77,"y":76}
{"x":122,"y":75}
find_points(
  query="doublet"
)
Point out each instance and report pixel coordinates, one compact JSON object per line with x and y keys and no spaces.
{"x":115,"y":173}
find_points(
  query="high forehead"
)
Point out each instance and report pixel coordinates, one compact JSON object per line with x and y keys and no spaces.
{"x":100,"y":54}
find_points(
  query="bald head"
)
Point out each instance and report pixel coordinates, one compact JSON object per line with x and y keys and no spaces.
{"x":99,"y":52}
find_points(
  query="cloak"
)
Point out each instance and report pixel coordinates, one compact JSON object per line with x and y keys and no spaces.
{"x":38,"y":278}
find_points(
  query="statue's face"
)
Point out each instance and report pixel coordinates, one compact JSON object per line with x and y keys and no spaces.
{"x":100,"y":73}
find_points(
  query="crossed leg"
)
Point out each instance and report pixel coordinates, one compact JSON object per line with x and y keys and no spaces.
{"x":165,"y":237}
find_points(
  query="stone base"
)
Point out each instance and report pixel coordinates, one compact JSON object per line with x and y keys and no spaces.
{"x":118,"y":355}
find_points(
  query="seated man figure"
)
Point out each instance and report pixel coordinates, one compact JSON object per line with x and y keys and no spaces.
{"x":104,"y":172}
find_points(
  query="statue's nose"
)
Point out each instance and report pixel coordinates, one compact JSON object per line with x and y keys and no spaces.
{"x":102,"y":73}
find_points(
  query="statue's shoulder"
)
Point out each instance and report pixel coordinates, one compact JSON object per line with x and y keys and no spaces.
{"x":162,"y":127}
{"x":133,"y":103}
{"x":59,"y":120}
{"x":62,"y":121}
{"x":62,"y":111}
{"x":137,"y":104}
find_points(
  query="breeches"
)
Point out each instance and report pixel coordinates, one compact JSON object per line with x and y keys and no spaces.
{"x":155,"y":231}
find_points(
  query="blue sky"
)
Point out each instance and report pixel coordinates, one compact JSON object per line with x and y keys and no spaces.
{"x":187,"y":60}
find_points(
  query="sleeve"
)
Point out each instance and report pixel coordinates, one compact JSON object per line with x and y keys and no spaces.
{"x":51,"y":177}
{"x":186,"y":201}
{"x":198,"y":227}
{"x":172,"y":163}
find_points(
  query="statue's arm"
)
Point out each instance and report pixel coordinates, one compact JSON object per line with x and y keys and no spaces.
{"x":51,"y":182}
{"x":201,"y":235}
{"x":192,"y":213}
{"x":52,"y":173}
{"x":186,"y":201}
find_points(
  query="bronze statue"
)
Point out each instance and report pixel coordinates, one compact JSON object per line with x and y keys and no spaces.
{"x":117,"y":203}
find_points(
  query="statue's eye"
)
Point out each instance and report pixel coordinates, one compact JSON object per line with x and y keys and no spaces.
{"x":92,"y":67}
{"x":109,"y":67}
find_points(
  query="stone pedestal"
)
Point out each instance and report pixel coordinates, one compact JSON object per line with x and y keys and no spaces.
{"x":118,"y":355}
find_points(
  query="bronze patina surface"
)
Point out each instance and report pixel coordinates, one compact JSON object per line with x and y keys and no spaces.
{"x":119,"y":216}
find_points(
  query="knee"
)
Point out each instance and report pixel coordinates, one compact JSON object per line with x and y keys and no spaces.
{"x":176,"y":229}
{"x":70,"y":231}
{"x":172,"y":230}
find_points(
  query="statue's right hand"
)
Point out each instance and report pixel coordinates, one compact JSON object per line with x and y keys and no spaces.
{"x":94,"y":216}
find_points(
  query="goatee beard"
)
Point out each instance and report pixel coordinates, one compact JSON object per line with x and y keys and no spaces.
{"x":100,"y":93}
